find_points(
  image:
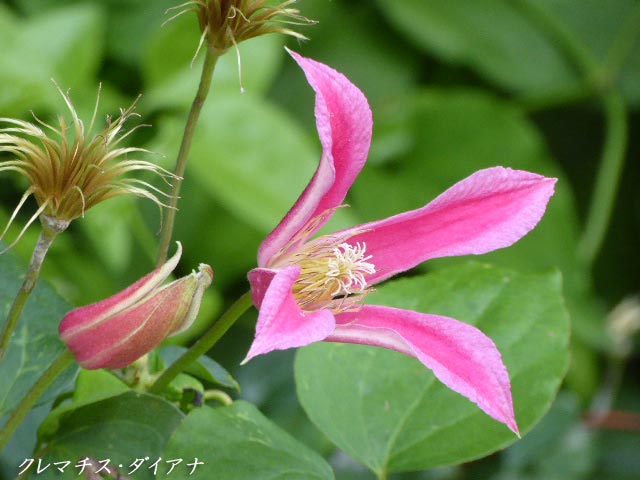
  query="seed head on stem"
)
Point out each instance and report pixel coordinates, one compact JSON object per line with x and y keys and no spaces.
{"x":69,"y":169}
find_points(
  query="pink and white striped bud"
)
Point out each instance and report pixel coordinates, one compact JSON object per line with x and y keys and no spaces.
{"x":120,"y":329}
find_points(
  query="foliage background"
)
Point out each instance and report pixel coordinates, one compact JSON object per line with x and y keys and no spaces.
{"x":454,"y":86}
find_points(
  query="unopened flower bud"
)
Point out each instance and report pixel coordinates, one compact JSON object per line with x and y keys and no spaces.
{"x":116,"y":331}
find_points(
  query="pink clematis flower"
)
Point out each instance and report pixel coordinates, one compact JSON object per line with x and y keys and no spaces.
{"x":312,"y":289}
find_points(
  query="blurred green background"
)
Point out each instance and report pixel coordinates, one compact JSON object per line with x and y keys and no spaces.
{"x":454,"y":85}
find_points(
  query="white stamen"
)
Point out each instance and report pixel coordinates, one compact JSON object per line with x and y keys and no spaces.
{"x":333,"y":274}
{"x":348,"y":267}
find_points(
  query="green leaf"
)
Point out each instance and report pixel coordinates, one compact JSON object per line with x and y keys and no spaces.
{"x":64,"y":44}
{"x":130,"y":23}
{"x":204,"y":368}
{"x":237,"y":442}
{"x":234,"y":151}
{"x":122,"y":429}
{"x":389,"y":412}
{"x":179,"y":386}
{"x":91,"y":386}
{"x":513,"y":47}
{"x":35,"y":343}
{"x":491,"y":36}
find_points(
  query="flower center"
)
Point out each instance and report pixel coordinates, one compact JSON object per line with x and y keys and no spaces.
{"x":333,"y":275}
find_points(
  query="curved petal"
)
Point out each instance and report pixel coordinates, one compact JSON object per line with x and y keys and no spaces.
{"x":491,"y":209}
{"x":460,"y":355}
{"x":260,"y":279}
{"x":344,"y":123}
{"x":282,"y":324}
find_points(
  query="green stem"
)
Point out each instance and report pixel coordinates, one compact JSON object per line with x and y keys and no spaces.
{"x":204,"y":343}
{"x":57,"y":367}
{"x":50,"y":229}
{"x":208,"y":68}
{"x":607,"y":179}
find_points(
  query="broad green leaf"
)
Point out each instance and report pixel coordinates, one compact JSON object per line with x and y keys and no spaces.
{"x":235,"y":151}
{"x":129,"y":22}
{"x":204,"y":368}
{"x":510,"y":42}
{"x":237,"y":443}
{"x":492,"y":36}
{"x":91,"y":386}
{"x":388,"y":411}
{"x":35,"y":343}
{"x":64,"y":44}
{"x":268,"y":383}
{"x":122,"y":429}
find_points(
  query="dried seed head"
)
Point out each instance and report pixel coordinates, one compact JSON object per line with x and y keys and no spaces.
{"x":225,"y":23}
{"x":68,"y":169}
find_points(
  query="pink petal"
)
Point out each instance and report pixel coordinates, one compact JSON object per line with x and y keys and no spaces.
{"x":344,"y":123}
{"x":260,"y":279}
{"x":76,"y":320}
{"x":282,"y":324}
{"x":491,"y":209}
{"x":460,"y":355}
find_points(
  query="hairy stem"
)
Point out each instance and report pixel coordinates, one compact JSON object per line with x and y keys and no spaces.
{"x":50,"y":229}
{"x":204,"y":343}
{"x":183,"y":154}
{"x":57,"y":367}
